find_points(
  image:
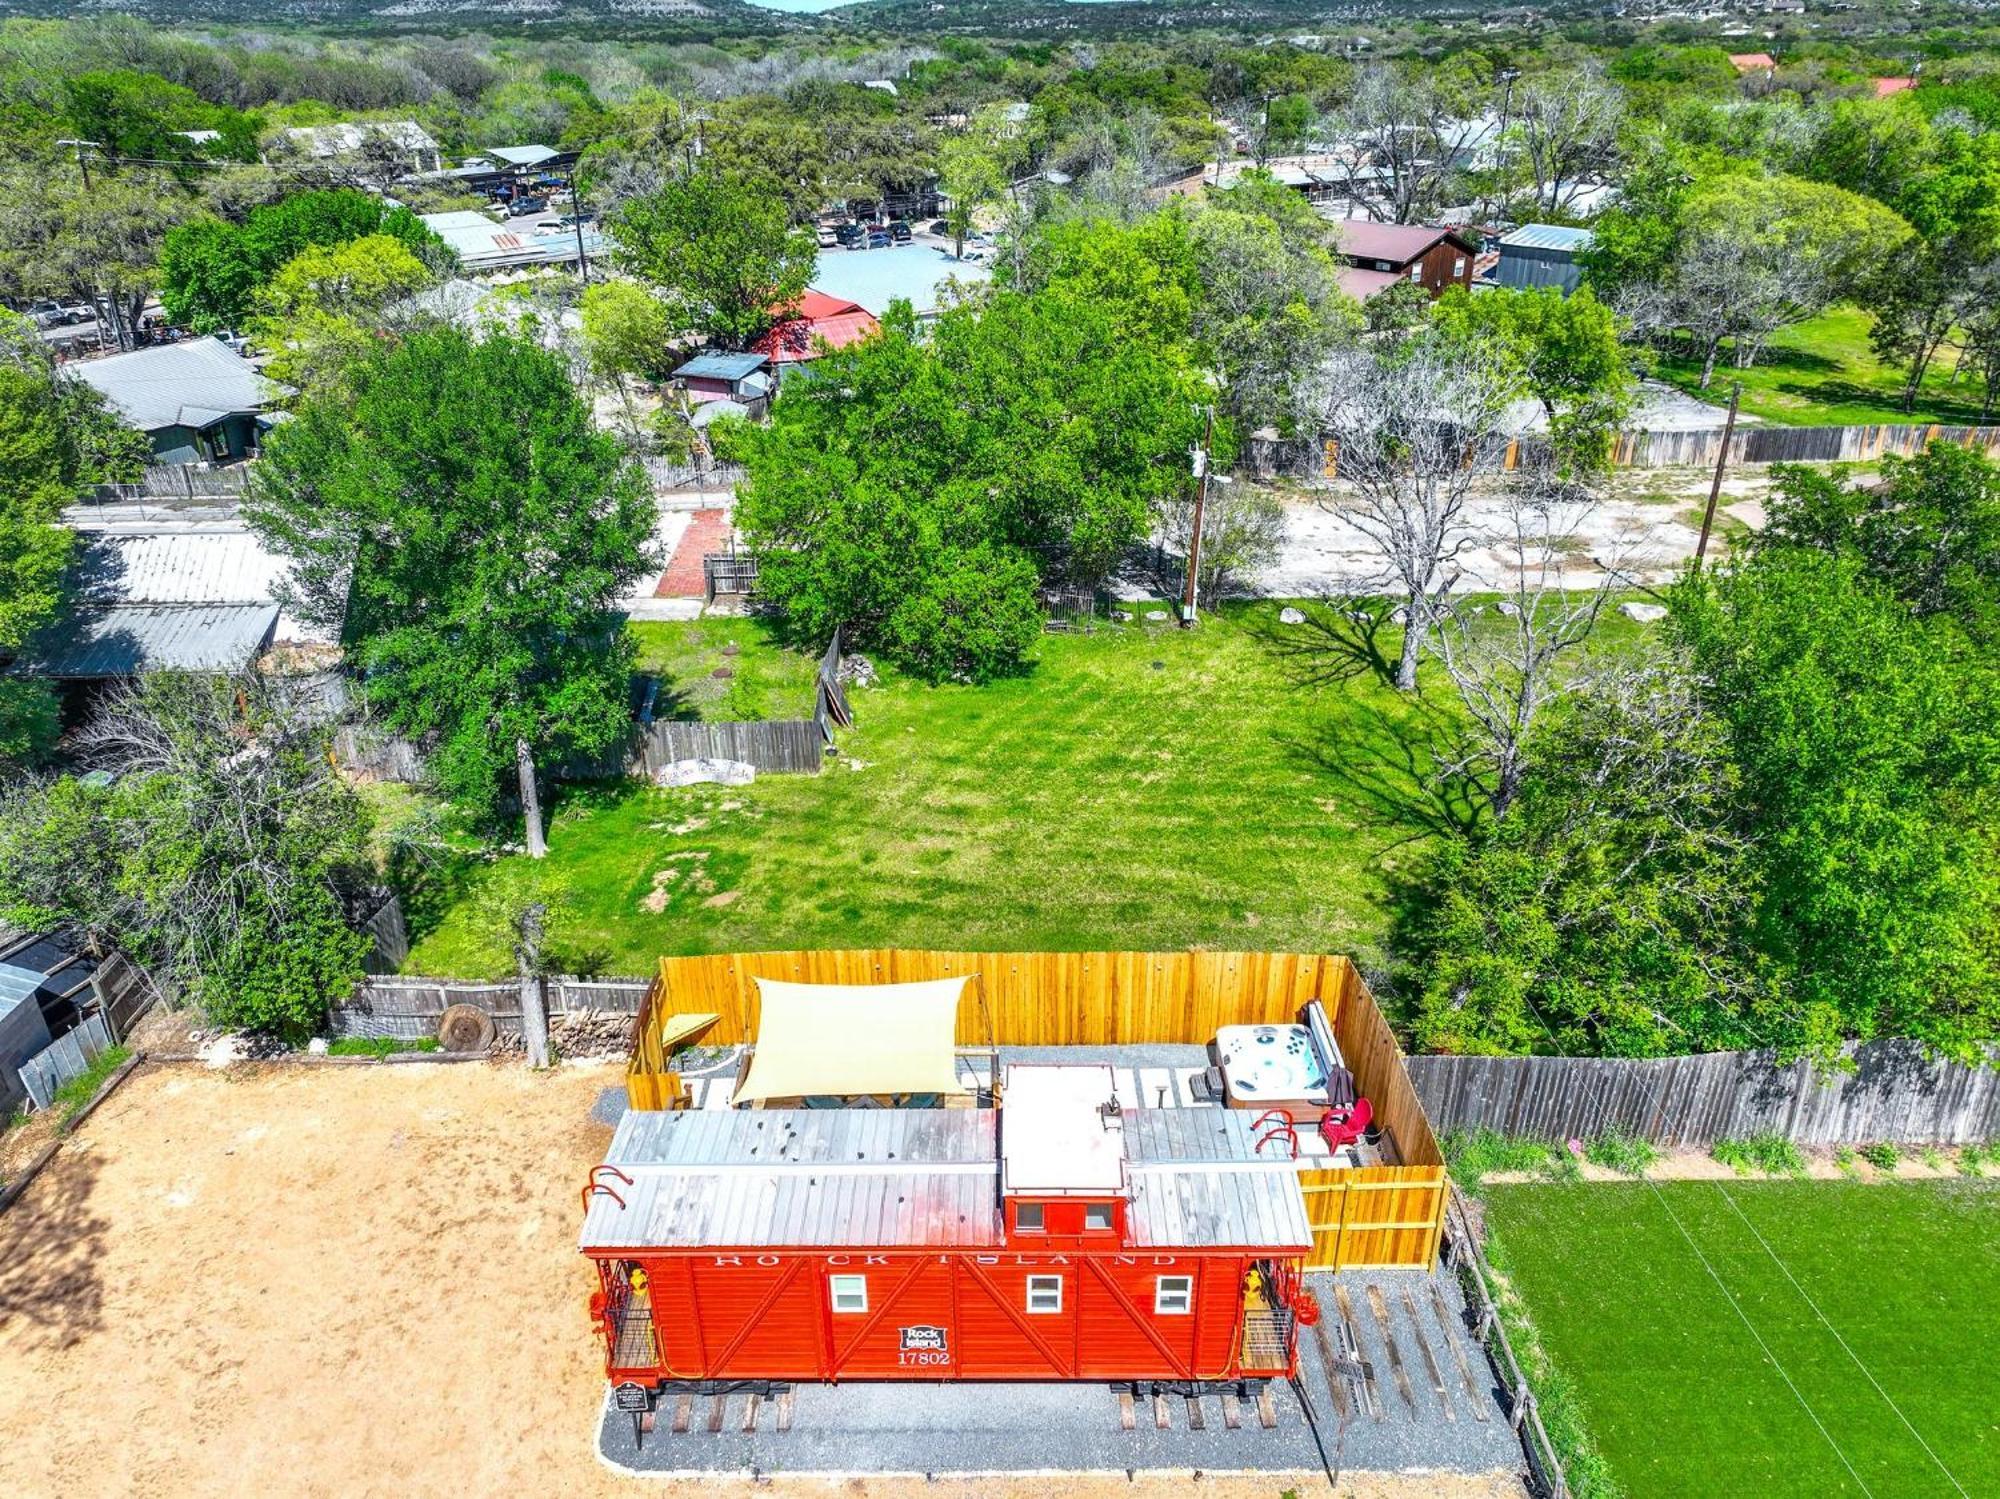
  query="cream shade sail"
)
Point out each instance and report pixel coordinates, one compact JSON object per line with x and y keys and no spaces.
{"x":843,"y":1040}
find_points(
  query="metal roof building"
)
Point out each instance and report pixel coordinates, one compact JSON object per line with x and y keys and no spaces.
{"x":1542,"y":255}
{"x":124,"y":640}
{"x":481,"y":244}
{"x":183,"y":395}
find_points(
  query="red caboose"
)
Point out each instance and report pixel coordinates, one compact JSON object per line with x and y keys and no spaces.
{"x":1056,"y":1237}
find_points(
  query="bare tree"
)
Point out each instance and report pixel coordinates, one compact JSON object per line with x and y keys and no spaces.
{"x":1413,"y":425}
{"x":1509,"y":665}
{"x":1569,"y":127}
{"x":1415,"y":131}
{"x":1242,"y":532}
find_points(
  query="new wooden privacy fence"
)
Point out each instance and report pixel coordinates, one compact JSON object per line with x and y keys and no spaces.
{"x":1378,"y":1216}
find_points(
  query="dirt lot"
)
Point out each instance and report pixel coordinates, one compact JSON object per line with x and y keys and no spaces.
{"x":339,"y":1281}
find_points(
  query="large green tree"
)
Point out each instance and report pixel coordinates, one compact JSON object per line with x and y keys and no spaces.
{"x":452,"y":509}
{"x":211,"y":271}
{"x":916,"y":489}
{"x":722,"y":249}
{"x":1868,"y":742}
{"x":55,"y":437}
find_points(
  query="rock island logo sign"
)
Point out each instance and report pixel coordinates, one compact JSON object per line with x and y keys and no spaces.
{"x":923,"y":1338}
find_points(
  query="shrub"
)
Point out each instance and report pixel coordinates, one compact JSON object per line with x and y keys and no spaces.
{"x":1843,"y":1159}
{"x":1474,"y":1154}
{"x":1882,"y":1157}
{"x":1621,"y":1151}
{"x":1933,"y":1158}
{"x":1972,"y":1160}
{"x":1769,"y":1153}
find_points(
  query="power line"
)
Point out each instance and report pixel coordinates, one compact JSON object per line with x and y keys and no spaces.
{"x":1667,"y":1208}
{"x":1858,"y":1362}
{"x":1752,"y":1329}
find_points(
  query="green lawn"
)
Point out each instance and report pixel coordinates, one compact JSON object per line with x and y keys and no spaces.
{"x":1678,"y":1393}
{"x":1824,"y":374}
{"x":1142,"y":787}
{"x":762,"y":679}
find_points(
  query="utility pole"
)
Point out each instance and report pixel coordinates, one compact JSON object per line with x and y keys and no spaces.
{"x":1721,"y":462}
{"x":576,"y":217}
{"x":1507,"y":77}
{"x":1202,"y":456}
{"x":104,"y":304}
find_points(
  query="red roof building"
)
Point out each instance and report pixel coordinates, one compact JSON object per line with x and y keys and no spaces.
{"x":817,"y":316}
{"x":1884,"y":87}
{"x":1378,"y":256}
{"x":1753,"y":62}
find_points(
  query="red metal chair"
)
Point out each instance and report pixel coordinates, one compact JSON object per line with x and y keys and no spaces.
{"x":1340,"y":1127}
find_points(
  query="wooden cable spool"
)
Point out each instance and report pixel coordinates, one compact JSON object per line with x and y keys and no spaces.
{"x":463,"y":1028}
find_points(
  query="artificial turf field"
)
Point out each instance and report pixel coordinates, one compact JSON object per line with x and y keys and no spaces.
{"x":1676,"y":1390}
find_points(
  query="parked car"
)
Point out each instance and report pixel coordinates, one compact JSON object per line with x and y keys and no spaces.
{"x":851,"y":235}
{"x":829,"y":236}
{"x":522,"y":207}
{"x":899,"y":232}
{"x":49,"y":313}
{"x":878,"y":239}
{"x":572,"y":220}
{"x":939,"y":227}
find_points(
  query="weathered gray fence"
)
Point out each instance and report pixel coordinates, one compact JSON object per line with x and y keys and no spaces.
{"x":67,"y":1057}
{"x":125,"y":992}
{"x":1894,"y":1093}
{"x":667,"y":474}
{"x":1755,"y":444}
{"x":379,"y":756}
{"x":408,"y":1008}
{"x":1307,"y":458}
{"x":174,"y":481}
{"x":781,"y":745}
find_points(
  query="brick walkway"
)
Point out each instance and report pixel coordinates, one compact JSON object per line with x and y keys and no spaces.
{"x":708,"y":531}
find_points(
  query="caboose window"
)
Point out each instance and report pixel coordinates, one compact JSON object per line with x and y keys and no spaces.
{"x":1097,"y":1215}
{"x":1173,"y":1295}
{"x":1028,"y":1217}
{"x":1045,"y":1293}
{"x":850,"y":1293}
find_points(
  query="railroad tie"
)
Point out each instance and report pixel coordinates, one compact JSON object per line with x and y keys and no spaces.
{"x":1335,"y":1380}
{"x":1381,"y":1310}
{"x":1232,"y":1412}
{"x":1370,"y":1395}
{"x":1127,"y":1419}
{"x":1160,"y":1417}
{"x":1454,"y":1341}
{"x":1267,"y":1409}
{"x":1196,"y":1420}
{"x":717,"y":1407}
{"x":683,"y":1413}
{"x":785,"y":1410}
{"x":750,"y":1404}
{"x":1430,"y":1359}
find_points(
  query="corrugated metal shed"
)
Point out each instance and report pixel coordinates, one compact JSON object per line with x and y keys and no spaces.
{"x":193,"y":384}
{"x":716,"y":366}
{"x":207,"y":566}
{"x":1542,"y":255}
{"x":127,"y":639}
{"x":1547,"y":237}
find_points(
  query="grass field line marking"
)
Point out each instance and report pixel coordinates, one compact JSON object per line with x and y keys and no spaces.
{"x":1950,"y":1477}
{"x":1751,"y":1327}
